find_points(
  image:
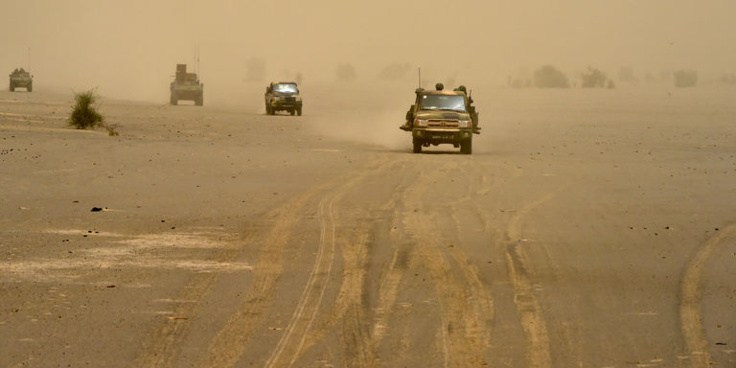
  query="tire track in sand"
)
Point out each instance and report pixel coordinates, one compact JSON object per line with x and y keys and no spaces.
{"x":361,"y":328}
{"x":466,"y":306}
{"x":300,"y":333}
{"x":529,"y":308}
{"x":230,"y":342}
{"x":161,"y":352}
{"x":291,"y":343}
{"x":691,"y":315}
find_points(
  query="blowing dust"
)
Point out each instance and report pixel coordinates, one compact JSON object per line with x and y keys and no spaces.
{"x":129,"y":49}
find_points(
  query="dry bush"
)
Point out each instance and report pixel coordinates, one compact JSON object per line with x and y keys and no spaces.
{"x":593,"y":78}
{"x":84,"y":114}
{"x":346,"y":72}
{"x":550,"y":77}
{"x":685,"y":78}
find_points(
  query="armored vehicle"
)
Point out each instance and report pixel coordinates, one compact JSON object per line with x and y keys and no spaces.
{"x":21,"y":78}
{"x":283,"y":96}
{"x":442,"y":117}
{"x":186,"y":86}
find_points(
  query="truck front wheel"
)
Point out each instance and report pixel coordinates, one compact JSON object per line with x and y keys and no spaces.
{"x":466,"y":147}
{"x":417,"y":146}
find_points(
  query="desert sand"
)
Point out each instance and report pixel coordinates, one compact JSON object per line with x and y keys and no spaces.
{"x":589,"y":228}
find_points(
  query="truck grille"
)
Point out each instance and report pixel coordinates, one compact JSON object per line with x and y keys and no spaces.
{"x":443,"y":123}
{"x":290,"y":99}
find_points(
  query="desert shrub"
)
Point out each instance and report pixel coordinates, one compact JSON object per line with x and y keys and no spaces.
{"x":728,"y":79}
{"x":685,"y":78}
{"x":550,"y":77}
{"x":84,"y":114}
{"x":593,"y":78}
{"x":346,"y":73}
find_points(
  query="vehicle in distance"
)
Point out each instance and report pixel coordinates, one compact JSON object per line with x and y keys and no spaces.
{"x":283,"y":96}
{"x":20,"y":78}
{"x":441,"y":117}
{"x":186,"y":86}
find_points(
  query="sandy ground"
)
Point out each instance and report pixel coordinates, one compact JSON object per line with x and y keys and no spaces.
{"x":588,"y":229}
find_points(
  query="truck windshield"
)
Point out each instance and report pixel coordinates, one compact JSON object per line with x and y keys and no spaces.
{"x":443,"y":102}
{"x":285,"y":88}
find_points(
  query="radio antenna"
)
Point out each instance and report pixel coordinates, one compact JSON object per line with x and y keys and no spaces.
{"x":419,"y":70}
{"x":196,"y":57}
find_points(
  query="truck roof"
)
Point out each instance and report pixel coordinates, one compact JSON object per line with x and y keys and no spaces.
{"x":441,"y":93}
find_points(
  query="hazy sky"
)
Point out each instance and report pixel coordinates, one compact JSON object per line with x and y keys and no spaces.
{"x":129,"y":48}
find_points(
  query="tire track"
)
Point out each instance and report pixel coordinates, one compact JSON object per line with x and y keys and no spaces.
{"x":362,"y":328}
{"x":529,"y":308}
{"x":349,"y":307}
{"x":229,"y":344}
{"x":691,"y":315}
{"x":466,"y":306}
{"x":292,"y":342}
{"x":162,"y":351}
{"x":388,"y":284}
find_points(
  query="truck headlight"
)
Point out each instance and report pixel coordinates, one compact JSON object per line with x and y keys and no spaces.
{"x":464,"y":124}
{"x":298,"y":98}
{"x":422,"y":122}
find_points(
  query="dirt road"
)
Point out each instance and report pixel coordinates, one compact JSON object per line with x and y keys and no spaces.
{"x":588,"y":229}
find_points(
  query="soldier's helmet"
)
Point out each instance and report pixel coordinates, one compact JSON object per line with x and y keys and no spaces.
{"x":462,"y":89}
{"x":439,"y":86}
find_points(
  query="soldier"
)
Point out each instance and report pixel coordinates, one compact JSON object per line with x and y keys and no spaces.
{"x":410,"y":114}
{"x":439,"y":86}
{"x":471,"y":108}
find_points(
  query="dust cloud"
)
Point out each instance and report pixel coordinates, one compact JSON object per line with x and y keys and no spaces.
{"x":128,"y":49}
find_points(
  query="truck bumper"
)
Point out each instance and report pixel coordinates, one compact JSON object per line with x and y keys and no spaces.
{"x":440,"y":136}
{"x":286,"y":105}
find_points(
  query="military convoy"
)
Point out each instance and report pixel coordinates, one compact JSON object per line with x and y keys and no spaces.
{"x":186,"y":86}
{"x":442,"y":117}
{"x":436,"y":117}
{"x":283,"y":96}
{"x":20,"y":78}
